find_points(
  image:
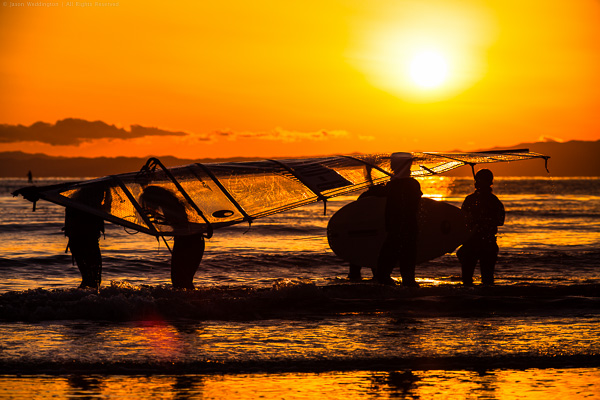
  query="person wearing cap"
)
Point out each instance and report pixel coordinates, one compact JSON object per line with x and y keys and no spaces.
{"x":403,"y":195}
{"x":485,"y":213}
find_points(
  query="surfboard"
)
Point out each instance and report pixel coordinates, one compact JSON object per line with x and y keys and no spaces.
{"x":356,"y":231}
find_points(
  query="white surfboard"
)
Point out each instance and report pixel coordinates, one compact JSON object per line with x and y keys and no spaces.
{"x":356,"y":231}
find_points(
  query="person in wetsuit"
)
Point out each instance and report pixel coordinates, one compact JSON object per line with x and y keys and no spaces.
{"x":354,"y":271}
{"x":162,"y":204}
{"x":403,"y":195}
{"x":485,"y":213}
{"x":83,"y":231}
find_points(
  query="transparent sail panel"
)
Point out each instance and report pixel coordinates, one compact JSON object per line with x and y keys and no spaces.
{"x":262,"y":188}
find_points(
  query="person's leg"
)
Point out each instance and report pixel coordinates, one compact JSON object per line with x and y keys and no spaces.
{"x":185,"y":260}
{"x":388,"y":257}
{"x":354,"y":272}
{"x":408,"y":260}
{"x":488,"y":263}
{"x":95,"y":259}
{"x":86,"y":252}
{"x":468,"y":260}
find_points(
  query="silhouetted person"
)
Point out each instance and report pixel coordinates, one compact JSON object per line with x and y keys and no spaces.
{"x":84,"y":230}
{"x":403,"y":195}
{"x":354,"y":271}
{"x":29,"y":177}
{"x":485,"y":214}
{"x":164,"y":207}
{"x":185,"y":260}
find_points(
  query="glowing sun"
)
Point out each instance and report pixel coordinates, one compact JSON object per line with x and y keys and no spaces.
{"x":428,"y":69}
{"x":424,"y":52}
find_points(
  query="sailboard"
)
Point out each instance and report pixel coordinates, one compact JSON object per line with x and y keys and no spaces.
{"x":200,"y":198}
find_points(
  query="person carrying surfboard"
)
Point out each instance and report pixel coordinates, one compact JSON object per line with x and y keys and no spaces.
{"x":403,"y":195}
{"x":485,"y":213}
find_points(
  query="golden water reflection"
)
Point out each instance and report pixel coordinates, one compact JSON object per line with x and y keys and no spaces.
{"x":348,"y":336}
{"x":564,"y":384}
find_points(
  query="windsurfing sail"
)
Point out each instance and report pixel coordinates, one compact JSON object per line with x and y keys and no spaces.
{"x":430,"y":163}
{"x":199,"y":198}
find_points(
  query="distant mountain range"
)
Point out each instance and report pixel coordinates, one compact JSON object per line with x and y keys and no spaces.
{"x":574,"y":158}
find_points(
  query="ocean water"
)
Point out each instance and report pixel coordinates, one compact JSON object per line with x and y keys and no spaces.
{"x":273,"y":315}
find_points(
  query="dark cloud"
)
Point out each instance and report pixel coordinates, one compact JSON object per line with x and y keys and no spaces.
{"x":73,"y":131}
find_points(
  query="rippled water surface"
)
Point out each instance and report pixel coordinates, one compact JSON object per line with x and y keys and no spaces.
{"x":273,"y":315}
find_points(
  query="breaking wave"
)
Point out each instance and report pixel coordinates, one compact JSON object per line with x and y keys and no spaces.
{"x":121,"y":301}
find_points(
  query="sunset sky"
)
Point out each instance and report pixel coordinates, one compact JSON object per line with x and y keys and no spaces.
{"x":272,"y":78}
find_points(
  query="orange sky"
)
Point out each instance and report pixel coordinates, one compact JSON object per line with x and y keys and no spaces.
{"x":272,"y":78}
